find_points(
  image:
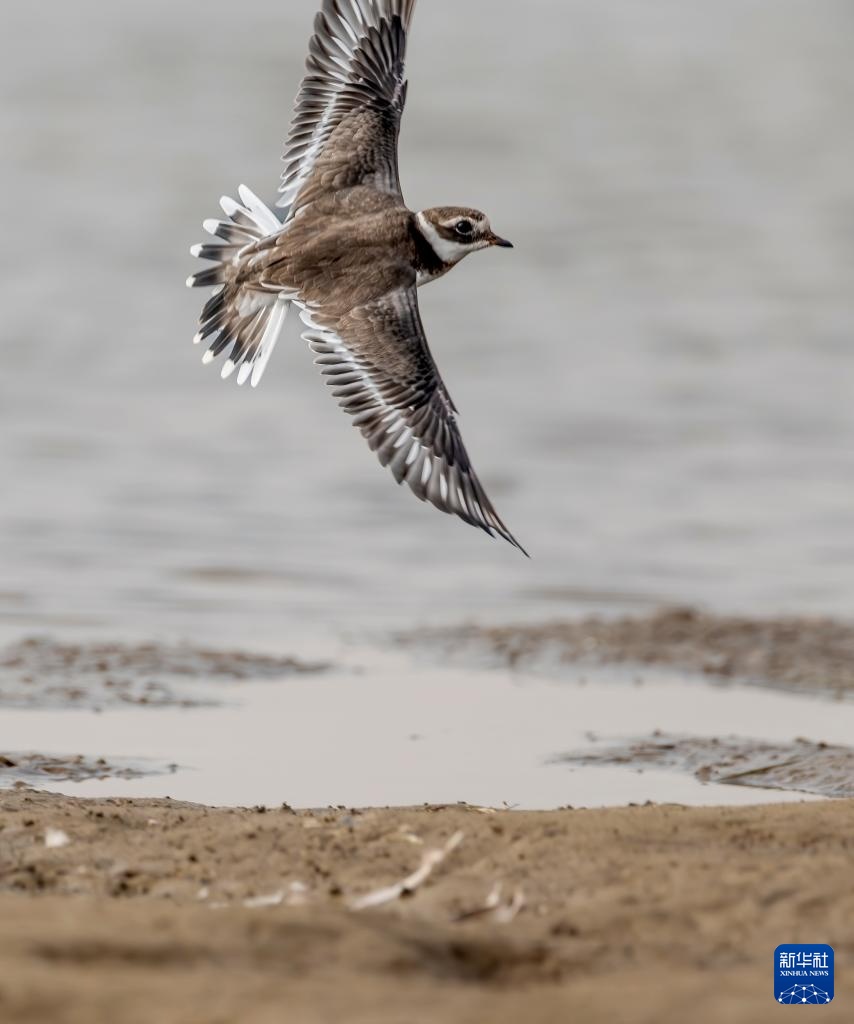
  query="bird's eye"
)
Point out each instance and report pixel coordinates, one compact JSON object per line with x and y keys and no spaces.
{"x":464,"y":228}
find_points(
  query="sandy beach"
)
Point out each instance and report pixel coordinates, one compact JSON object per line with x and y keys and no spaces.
{"x":130,"y":910}
{"x":157,"y":911}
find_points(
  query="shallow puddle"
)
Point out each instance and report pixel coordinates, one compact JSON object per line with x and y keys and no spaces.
{"x":390,"y":733}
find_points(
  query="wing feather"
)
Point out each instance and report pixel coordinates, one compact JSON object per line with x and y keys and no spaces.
{"x":347,"y":112}
{"x":378,"y":365}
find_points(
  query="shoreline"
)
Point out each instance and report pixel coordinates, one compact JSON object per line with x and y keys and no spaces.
{"x":800,"y":654}
{"x":107,"y":906}
{"x":690,"y":705}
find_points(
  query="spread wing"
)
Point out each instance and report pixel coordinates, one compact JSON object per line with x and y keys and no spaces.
{"x":347,"y":112}
{"x":378,"y":365}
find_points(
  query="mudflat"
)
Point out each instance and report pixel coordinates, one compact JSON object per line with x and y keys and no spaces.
{"x":131,"y":911}
{"x":796,"y":653}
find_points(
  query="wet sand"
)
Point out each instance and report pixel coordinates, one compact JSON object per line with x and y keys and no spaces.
{"x":45,"y":673}
{"x":149,"y":910}
{"x":797,"y":653}
{"x":35,"y":768}
{"x":818,"y":768}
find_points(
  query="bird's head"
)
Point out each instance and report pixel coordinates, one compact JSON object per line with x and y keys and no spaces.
{"x":455,"y":231}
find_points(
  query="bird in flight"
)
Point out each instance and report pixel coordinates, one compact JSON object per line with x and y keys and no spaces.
{"x":350,"y":256}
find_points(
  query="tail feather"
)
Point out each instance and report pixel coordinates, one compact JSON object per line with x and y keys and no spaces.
{"x":259,"y":213}
{"x":214,"y":275}
{"x":246,"y":318}
{"x":228,"y":231}
{"x":268,"y":342}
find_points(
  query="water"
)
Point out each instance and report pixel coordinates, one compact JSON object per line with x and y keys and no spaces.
{"x":655,"y":385}
{"x":402,"y":736}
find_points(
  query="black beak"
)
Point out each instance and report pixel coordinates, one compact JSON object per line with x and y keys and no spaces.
{"x":502,"y":243}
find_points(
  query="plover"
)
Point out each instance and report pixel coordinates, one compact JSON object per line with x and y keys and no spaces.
{"x":350,"y":256}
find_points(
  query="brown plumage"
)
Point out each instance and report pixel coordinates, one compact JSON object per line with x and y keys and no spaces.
{"x":350,"y":255}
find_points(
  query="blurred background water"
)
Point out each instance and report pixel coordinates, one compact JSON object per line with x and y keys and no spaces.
{"x":655,"y":386}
